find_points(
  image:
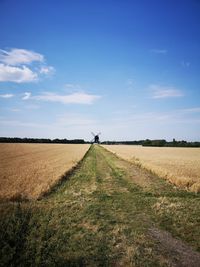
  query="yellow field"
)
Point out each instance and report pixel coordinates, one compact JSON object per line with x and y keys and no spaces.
{"x":180,"y":166}
{"x":29,"y":170}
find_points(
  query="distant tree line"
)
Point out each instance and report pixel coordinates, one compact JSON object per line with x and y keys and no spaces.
{"x":147,"y":142}
{"x":40,"y":140}
{"x":174,"y":143}
{"x":122,"y":142}
{"x":158,"y":143}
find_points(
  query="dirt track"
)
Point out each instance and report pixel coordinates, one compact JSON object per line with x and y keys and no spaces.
{"x":107,"y":213}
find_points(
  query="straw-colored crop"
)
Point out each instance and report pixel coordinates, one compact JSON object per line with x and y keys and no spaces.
{"x":29,"y":170}
{"x":180,"y":166}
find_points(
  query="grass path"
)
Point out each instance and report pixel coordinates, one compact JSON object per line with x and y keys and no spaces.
{"x":107,"y":213}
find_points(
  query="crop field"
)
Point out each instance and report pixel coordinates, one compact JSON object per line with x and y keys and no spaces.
{"x":105,"y":212}
{"x":181,"y":166}
{"x":29,"y":170}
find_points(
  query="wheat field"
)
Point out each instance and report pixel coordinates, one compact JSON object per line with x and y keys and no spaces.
{"x":181,"y":166}
{"x":29,"y":170}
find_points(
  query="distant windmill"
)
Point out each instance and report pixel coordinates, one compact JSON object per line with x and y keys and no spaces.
{"x":95,"y":138}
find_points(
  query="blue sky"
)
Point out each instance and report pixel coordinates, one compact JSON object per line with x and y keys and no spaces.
{"x":130,"y":69}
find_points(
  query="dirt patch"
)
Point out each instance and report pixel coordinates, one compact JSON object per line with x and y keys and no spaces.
{"x":179,"y":253}
{"x":141,"y":176}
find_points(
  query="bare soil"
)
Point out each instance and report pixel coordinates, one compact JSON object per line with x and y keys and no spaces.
{"x":179,"y":253}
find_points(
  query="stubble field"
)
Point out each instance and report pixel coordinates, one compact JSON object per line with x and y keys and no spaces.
{"x":181,"y":166}
{"x":106,"y":212}
{"x":29,"y":170}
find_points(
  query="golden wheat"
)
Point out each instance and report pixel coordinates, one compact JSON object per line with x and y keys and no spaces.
{"x":29,"y":170}
{"x":180,"y":166}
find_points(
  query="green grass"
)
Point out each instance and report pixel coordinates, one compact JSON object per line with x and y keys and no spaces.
{"x":97,"y":217}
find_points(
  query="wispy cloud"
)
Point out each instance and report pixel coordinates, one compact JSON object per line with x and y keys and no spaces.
{"x":14,"y":109}
{"x":130,"y":82}
{"x":62,"y":122}
{"x":26,"y":96}
{"x":19,"y":56}
{"x":32,"y":107}
{"x":16,"y":74}
{"x":16,"y":66}
{"x":22,"y":124}
{"x":158,"y":91}
{"x":139,"y":125}
{"x":75,"y":98}
{"x":141,"y":117}
{"x":185,"y":64}
{"x":182,"y":116}
{"x":191,"y":110}
{"x":47,"y":70}
{"x":72,"y":119}
{"x":6,"y":95}
{"x":159,"y":51}
{"x":73,"y":86}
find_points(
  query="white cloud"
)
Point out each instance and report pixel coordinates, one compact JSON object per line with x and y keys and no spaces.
{"x":164,"y":91}
{"x":6,"y":96}
{"x":13,"y":66}
{"x":19,"y":56}
{"x":16,"y":74}
{"x":26,"y":96}
{"x":159,"y":51}
{"x":75,"y":98}
{"x":47,"y":70}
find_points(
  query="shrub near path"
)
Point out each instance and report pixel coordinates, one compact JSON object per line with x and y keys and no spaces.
{"x":107,"y":213}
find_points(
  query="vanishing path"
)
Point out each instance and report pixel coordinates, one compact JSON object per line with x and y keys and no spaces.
{"x":107,"y":213}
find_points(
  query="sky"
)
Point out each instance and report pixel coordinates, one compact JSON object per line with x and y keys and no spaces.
{"x":127,"y":69}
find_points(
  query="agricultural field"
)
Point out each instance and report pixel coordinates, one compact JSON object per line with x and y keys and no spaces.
{"x":29,"y":170}
{"x":106,"y":212}
{"x":181,"y":166}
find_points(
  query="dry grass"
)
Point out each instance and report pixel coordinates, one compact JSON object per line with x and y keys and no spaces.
{"x":29,"y":170}
{"x":180,"y":166}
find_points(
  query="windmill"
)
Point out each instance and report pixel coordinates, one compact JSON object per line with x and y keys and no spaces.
{"x":95,"y":138}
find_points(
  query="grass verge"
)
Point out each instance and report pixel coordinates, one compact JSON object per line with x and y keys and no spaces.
{"x":99,"y":216}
